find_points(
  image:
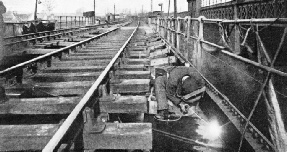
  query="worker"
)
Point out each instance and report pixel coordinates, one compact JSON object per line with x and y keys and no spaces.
{"x":183,"y":86}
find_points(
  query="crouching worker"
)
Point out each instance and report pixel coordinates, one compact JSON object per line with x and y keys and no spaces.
{"x":183,"y":86}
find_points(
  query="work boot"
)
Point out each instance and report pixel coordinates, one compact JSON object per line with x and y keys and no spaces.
{"x":162,"y":114}
{"x":184,"y":107}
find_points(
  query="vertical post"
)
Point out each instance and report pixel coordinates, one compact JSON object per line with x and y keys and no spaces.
{"x":2,"y":11}
{"x":66,"y":21}
{"x":196,"y":32}
{"x":157,"y":25}
{"x":190,"y":9}
{"x":151,"y":6}
{"x":236,"y":31}
{"x":114,"y":12}
{"x":178,"y":35}
{"x":75,"y":21}
{"x":198,"y":43}
{"x":172,"y":32}
{"x":13,"y":26}
{"x":60,"y":21}
{"x":71,"y":21}
{"x":35,"y":13}
{"x":175,"y":8}
{"x":94,"y":11}
{"x":168,"y":7}
{"x":167,"y":29}
{"x":187,"y":32}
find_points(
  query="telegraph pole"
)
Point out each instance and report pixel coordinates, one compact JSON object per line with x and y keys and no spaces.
{"x":94,"y":11}
{"x":114,"y":12}
{"x":175,"y":9}
{"x":35,"y":13}
{"x":168,"y":7}
{"x":151,"y":6}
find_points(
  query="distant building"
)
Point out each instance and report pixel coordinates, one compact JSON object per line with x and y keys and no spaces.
{"x":155,"y":14}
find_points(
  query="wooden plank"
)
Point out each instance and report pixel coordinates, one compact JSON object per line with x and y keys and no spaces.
{"x":138,"y":55}
{"x":25,"y":137}
{"x":138,"y":52}
{"x":56,"y":88}
{"x":160,"y":61}
{"x":37,"y":51}
{"x":66,"y":43}
{"x":124,"y":104}
{"x":137,"y":61}
{"x":121,"y":136}
{"x":89,"y":49}
{"x":137,"y":49}
{"x":132,"y":86}
{"x":73,"y":69}
{"x":83,"y":53}
{"x":64,"y":77}
{"x":94,"y":57}
{"x":80,"y":63}
{"x":136,"y":67}
{"x":121,"y":74}
{"x":50,"y":105}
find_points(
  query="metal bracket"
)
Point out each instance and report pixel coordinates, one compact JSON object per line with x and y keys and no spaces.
{"x":94,"y":125}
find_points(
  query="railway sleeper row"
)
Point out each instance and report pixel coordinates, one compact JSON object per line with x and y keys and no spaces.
{"x":28,"y":46}
{"x":37,"y":107}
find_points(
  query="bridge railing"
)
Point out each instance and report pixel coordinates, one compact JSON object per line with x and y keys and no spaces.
{"x":75,"y":21}
{"x":243,"y":9}
{"x":240,"y":61}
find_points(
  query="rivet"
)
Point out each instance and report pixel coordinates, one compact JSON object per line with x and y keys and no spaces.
{"x":250,"y":129}
{"x":255,"y":135}
{"x":261,"y":140}
{"x":266,"y":147}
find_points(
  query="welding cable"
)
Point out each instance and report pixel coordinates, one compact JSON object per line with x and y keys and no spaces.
{"x":184,"y":139}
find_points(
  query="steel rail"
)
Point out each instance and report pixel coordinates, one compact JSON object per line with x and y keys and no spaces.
{"x":77,"y":110}
{"x":50,"y":54}
{"x":56,"y":31}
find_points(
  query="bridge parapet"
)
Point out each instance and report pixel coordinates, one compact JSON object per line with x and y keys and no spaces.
{"x":245,"y":9}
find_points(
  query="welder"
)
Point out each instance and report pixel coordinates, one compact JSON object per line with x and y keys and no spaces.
{"x":183,"y":86}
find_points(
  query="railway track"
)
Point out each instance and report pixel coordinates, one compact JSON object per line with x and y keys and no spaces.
{"x":27,"y":46}
{"x":61,"y":99}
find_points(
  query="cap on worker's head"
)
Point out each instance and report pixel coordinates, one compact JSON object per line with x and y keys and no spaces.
{"x":190,"y":84}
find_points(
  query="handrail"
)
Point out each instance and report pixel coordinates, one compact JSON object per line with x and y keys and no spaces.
{"x":53,"y":53}
{"x":252,"y":20}
{"x":223,"y":49}
{"x":68,"y":122}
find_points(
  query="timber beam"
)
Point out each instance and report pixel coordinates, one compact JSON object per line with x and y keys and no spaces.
{"x":47,"y":105}
{"x":123,"y":104}
{"x":121,"y":136}
{"x":130,"y":86}
{"x":26,"y":137}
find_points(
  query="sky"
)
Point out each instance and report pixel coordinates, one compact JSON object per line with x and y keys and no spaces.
{"x":102,"y":6}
